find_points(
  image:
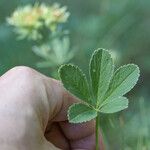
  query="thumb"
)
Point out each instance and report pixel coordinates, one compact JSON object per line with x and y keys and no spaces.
{"x":58,"y":99}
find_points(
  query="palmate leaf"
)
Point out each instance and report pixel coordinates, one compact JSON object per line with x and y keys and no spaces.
{"x":123,"y":81}
{"x":79,"y":113}
{"x":101,"y":71}
{"x":75,"y":81}
{"x":115,"y":105}
{"x":107,"y":88}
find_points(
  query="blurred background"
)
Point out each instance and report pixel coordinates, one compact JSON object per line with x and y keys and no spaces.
{"x":123,"y":27}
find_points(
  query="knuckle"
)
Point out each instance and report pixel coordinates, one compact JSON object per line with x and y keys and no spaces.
{"x":23,"y":70}
{"x":24,"y":76}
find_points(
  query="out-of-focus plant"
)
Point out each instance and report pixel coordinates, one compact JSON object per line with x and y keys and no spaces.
{"x":55,"y":53}
{"x":138,"y":127}
{"x":29,"y":21}
{"x":43,"y":25}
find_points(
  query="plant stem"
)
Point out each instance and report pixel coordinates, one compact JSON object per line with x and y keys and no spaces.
{"x":97,"y":133}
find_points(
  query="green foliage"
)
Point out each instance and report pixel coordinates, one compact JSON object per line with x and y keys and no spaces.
{"x":123,"y":81}
{"x":81,"y":113}
{"x":101,"y":71}
{"x":137,"y":129}
{"x":54,"y":53}
{"x":106,"y":90}
{"x":75,"y":81}
{"x":114,"y":105}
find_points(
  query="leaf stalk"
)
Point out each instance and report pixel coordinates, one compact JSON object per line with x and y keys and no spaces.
{"x":97,"y":133}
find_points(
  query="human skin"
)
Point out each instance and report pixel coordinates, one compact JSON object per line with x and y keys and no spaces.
{"x":33,"y":114}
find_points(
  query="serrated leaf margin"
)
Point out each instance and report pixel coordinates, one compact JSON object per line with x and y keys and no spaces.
{"x":121,"y":68}
{"x":68,"y":112}
{"x":113,"y":67}
{"x":84,"y":76}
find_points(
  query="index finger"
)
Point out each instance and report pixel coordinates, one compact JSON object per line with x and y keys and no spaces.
{"x":81,"y":136}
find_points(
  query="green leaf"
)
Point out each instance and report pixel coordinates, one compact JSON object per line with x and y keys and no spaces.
{"x":115,"y":105}
{"x":101,"y":71}
{"x":123,"y":81}
{"x":75,"y":81}
{"x":79,"y":113}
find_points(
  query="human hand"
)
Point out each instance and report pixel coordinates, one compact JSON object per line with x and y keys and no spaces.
{"x":33,"y":114}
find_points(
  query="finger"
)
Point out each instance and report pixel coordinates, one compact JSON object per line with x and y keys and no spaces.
{"x":81,"y":136}
{"x":86,"y":143}
{"x":77,"y":131}
{"x":55,"y":136}
{"x":59,"y":100}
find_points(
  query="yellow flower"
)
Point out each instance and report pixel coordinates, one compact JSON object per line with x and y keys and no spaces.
{"x":30,"y":18}
{"x":55,"y":15}
{"x":24,"y":17}
{"x":59,"y":14}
